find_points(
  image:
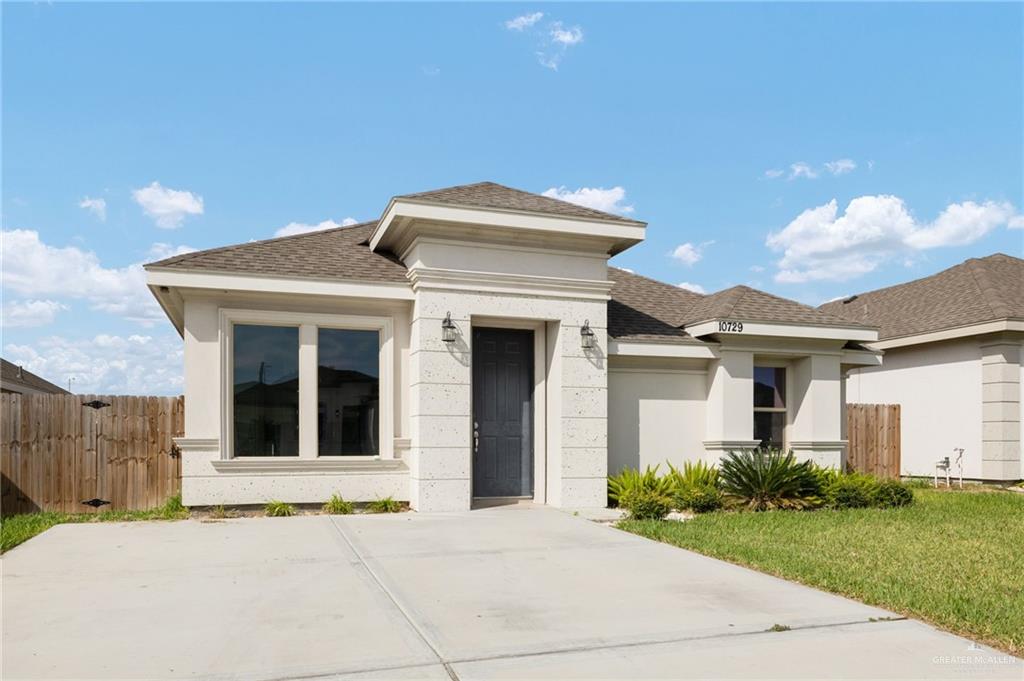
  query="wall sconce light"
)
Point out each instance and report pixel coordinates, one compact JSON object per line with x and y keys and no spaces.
{"x":586,"y":336}
{"x":448,"y":329}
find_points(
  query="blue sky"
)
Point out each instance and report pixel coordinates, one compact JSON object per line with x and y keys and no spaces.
{"x":730,"y":129}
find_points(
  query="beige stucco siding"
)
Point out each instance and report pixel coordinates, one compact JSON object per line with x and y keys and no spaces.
{"x":939,"y":388}
{"x":655,"y":415}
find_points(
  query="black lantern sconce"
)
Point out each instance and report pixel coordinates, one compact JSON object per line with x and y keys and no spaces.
{"x":448,"y":329}
{"x":587,"y":340}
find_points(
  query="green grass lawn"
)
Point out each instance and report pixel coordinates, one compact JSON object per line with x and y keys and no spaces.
{"x":954,"y":559}
{"x":17,"y":529}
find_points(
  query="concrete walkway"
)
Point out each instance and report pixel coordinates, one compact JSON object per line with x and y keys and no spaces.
{"x":500,"y":593}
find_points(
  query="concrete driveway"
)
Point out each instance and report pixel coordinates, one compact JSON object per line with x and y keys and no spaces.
{"x":498,"y":593}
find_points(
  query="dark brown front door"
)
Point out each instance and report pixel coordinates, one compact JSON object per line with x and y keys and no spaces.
{"x":502,"y":413}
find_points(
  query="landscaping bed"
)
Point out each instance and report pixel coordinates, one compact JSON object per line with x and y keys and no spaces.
{"x":952,"y":558}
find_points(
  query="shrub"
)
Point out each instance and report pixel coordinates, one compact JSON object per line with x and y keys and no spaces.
{"x":337,"y":506}
{"x":278,"y":509}
{"x":852,"y":490}
{"x":646,"y":504}
{"x":698,"y":498}
{"x":631,"y":480}
{"x":892,"y":494}
{"x":694,"y":474}
{"x":385,"y":505}
{"x":763,"y":479}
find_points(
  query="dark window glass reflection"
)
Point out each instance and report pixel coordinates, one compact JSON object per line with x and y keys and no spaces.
{"x":266,"y":390}
{"x":348,"y":395}
{"x":769,"y":387}
{"x":768,"y":428}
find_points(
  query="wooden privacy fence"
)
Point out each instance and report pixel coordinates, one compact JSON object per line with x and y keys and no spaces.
{"x":56,"y":451}
{"x":873,"y":432}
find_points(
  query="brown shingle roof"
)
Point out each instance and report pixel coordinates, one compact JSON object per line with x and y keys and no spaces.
{"x":338,"y":253}
{"x":745,"y":303}
{"x":493,"y":195}
{"x":643,"y":309}
{"x":975,"y":291}
{"x":13,"y":378}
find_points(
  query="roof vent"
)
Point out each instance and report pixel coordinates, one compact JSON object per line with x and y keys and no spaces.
{"x":850,"y":299}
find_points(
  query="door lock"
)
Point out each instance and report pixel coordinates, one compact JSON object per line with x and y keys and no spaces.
{"x":476,"y":437}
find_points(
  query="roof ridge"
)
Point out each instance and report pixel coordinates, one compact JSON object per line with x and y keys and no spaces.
{"x":184,"y":257}
{"x":989,"y":292}
{"x":450,"y":195}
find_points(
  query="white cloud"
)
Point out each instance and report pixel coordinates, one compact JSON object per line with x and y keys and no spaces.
{"x":524,"y":21}
{"x":690,"y":254}
{"x":160,"y":250}
{"x":840,"y":166}
{"x":97,"y":207}
{"x":774,"y":173}
{"x":756,"y":268}
{"x":33,"y":268}
{"x":29,"y":313}
{"x":821,"y":245}
{"x":168,"y":207}
{"x":566,"y":36}
{"x":1016,"y":222}
{"x":696,"y":288}
{"x":132,"y":365}
{"x":801,"y":169}
{"x":293,"y":228}
{"x":598,"y":198}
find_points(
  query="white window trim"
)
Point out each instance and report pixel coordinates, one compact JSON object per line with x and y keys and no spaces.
{"x":785,"y":408}
{"x":307,"y":324}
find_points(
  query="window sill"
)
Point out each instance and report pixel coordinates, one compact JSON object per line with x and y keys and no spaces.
{"x":320,"y":466}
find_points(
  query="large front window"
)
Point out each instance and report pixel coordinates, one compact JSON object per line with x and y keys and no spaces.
{"x":266,"y":390}
{"x":770,"y":406}
{"x":307,"y":385}
{"x":348,"y":392}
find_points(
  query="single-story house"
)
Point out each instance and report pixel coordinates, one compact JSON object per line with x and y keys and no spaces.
{"x":17,"y":380}
{"x":952,"y":344}
{"x":474,"y":342}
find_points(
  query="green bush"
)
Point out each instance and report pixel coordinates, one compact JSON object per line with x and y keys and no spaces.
{"x":337,"y":506}
{"x":278,"y":509}
{"x":892,"y":494}
{"x":693,"y":474}
{"x":852,"y":490}
{"x":646,"y":504}
{"x":631,"y":480}
{"x":763,"y":479}
{"x":385,"y":505}
{"x":698,"y":498}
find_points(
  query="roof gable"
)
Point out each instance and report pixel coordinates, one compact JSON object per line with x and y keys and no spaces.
{"x":494,"y":195}
{"x":751,"y":304}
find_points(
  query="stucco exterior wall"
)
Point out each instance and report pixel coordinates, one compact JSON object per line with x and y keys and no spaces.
{"x":656,"y":414}
{"x":571,"y":454}
{"x":939,"y":388}
{"x":204,"y":443}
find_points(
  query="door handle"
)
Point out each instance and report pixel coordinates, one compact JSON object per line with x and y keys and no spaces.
{"x":476,"y":437}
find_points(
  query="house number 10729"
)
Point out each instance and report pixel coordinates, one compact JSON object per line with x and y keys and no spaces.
{"x":731,"y":327}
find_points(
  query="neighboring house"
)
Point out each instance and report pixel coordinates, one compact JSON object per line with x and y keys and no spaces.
{"x":14,"y":379}
{"x":474,"y":342}
{"x":952,"y":344}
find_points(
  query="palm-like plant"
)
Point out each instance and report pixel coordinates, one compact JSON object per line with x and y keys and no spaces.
{"x":762,"y":480}
{"x":632,"y":480}
{"x":693,"y":474}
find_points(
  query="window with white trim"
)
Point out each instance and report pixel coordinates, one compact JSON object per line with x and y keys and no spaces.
{"x":348,"y":392}
{"x":770,"y":406}
{"x":307,"y":385}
